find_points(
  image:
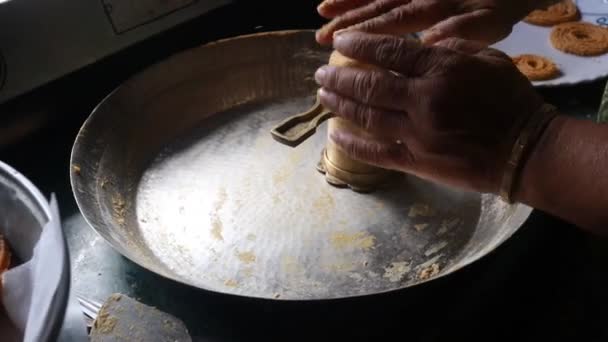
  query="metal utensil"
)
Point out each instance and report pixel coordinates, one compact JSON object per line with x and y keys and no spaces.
{"x":177,"y":171}
{"x":90,"y":309}
{"x":296,"y":129}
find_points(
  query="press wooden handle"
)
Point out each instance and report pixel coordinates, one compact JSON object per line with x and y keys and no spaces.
{"x":296,"y":129}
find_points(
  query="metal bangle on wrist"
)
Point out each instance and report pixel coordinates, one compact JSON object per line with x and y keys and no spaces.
{"x":531,"y":132}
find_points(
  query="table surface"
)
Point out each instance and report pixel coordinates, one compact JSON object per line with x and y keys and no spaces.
{"x":548,"y":281}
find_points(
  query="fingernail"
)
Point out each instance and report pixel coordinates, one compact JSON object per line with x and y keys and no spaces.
{"x":430,"y":36}
{"x":319,"y":36}
{"x":322,"y":93}
{"x":333,"y":136}
{"x":323,"y":36}
{"x":337,"y":137}
{"x":320,"y":75}
{"x":338,"y":35}
{"x":339,"y":32}
{"x":325,"y":97}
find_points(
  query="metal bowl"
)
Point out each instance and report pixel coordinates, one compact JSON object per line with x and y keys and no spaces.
{"x":178,"y":171}
{"x":22,"y":205}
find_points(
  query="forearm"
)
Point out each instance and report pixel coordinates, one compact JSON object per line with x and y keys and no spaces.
{"x":567,"y":174}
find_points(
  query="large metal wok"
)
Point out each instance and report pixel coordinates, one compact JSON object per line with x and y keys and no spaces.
{"x":177,"y":170}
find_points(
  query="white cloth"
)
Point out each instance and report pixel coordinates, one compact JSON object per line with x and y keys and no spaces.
{"x":33,"y":291}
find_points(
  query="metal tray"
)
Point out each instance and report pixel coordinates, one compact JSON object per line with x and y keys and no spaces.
{"x":178,"y":171}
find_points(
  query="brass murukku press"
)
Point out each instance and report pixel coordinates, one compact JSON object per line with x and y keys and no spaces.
{"x":339,"y":169}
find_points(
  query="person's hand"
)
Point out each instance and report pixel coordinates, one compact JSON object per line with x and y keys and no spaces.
{"x":486,"y":21}
{"x":448,"y":113}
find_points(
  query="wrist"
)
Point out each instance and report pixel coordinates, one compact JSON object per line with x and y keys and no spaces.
{"x":529,"y":135}
{"x":537,"y":166}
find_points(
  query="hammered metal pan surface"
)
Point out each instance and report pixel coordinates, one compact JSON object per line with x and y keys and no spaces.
{"x":178,"y":171}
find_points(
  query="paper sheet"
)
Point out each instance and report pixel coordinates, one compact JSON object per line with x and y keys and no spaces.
{"x":33,"y":291}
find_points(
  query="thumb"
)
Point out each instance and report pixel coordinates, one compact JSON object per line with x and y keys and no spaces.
{"x":481,"y":25}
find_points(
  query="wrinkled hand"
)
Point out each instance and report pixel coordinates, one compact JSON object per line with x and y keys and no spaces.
{"x":448,"y":113}
{"x":486,"y":21}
